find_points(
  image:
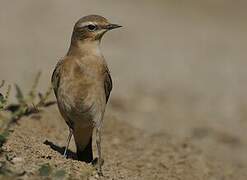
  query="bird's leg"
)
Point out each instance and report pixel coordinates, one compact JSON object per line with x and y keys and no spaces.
{"x":68,"y":141}
{"x":98,"y":143}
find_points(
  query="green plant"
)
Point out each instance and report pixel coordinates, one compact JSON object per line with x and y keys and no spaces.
{"x":4,"y":99}
{"x":46,"y":170}
{"x":29,"y":104}
{"x":25,"y":105}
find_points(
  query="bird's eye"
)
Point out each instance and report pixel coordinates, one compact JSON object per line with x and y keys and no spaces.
{"x":92,"y":27}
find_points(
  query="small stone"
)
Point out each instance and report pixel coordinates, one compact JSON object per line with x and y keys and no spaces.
{"x":97,"y":176}
{"x":17,"y":159}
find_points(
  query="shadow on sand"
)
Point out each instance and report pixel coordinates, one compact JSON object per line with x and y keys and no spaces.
{"x":70,"y":154}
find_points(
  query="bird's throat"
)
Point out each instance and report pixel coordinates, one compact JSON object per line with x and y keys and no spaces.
{"x":85,"y":48}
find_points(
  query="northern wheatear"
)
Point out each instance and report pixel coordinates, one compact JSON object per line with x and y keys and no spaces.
{"x":82,"y":85}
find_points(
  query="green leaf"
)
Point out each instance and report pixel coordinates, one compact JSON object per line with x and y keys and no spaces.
{"x":32,"y":92}
{"x":1,"y":97}
{"x":2,"y":101}
{"x":60,"y":174}
{"x":19,"y":94}
{"x":45,"y":170}
{"x":3,"y":137}
{"x":2,"y":83}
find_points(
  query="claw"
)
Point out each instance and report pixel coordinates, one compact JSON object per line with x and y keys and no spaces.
{"x":96,"y":161}
{"x":100,"y":173}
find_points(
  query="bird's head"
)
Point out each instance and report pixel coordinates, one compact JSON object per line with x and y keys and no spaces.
{"x":92,"y":28}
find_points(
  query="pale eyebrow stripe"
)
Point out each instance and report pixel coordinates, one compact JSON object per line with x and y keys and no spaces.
{"x":86,"y":24}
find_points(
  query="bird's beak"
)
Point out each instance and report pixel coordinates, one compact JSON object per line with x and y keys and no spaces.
{"x":112,"y":26}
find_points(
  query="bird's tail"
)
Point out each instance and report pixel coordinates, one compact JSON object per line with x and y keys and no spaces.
{"x":86,"y":154}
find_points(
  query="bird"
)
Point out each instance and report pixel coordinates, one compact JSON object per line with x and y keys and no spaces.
{"x":82,"y":85}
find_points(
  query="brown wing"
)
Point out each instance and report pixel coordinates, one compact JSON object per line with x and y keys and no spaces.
{"x":55,"y":79}
{"x":107,"y":84}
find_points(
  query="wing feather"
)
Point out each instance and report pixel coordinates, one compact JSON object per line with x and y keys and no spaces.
{"x":55,"y":79}
{"x":107,"y":84}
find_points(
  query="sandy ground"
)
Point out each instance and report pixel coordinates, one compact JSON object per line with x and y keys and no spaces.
{"x":178,"y":106}
{"x":129,"y":153}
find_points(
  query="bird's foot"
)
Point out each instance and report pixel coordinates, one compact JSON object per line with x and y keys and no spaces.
{"x":100,"y":173}
{"x":96,"y":162}
{"x":98,"y":165}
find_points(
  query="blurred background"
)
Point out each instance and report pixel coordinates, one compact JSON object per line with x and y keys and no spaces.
{"x":178,"y":67}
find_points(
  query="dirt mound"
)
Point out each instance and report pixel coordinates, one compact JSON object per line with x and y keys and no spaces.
{"x":34,"y":151}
